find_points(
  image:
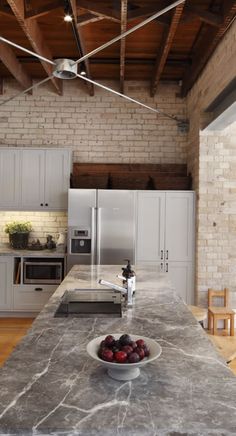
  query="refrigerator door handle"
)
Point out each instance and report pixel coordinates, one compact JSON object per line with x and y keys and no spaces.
{"x":98,"y":235}
{"x":93,"y":235}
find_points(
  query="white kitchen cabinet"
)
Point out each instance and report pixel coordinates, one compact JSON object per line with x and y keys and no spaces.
{"x":34,"y":178}
{"x":9,"y":178}
{"x":165,"y":236}
{"x":6,"y":280}
{"x":45,"y":179}
{"x":31,"y":297}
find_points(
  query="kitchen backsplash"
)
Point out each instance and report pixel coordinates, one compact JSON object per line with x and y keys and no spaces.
{"x":43,"y":223}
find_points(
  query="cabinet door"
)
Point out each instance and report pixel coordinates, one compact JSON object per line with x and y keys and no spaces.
{"x":32,"y":297}
{"x":181,"y":276}
{"x":6,"y":282}
{"x":32,"y":179}
{"x":179,"y":232}
{"x":9,"y":179}
{"x":57,"y":179}
{"x":150,"y":226}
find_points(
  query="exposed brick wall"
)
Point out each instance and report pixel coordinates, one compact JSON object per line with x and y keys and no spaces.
{"x":211,"y":159}
{"x":103,"y":128}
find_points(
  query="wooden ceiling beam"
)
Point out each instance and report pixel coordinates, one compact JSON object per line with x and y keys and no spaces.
{"x":11,"y":62}
{"x":87,"y":18}
{"x":43,"y":9}
{"x":206,"y":47}
{"x":34,"y":35}
{"x":123,"y":29}
{"x":205,"y":16}
{"x":168,"y":36}
{"x":99,"y":10}
{"x":80,"y":45}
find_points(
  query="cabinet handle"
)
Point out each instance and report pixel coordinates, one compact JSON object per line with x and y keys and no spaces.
{"x":46,"y":204}
{"x":38,"y":289}
{"x":167,"y":254}
{"x":41,"y":204}
{"x":166,"y":267}
{"x":161,"y":254}
{"x":161,"y":266}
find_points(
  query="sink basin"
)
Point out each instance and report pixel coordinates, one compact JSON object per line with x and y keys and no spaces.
{"x":87,"y":303}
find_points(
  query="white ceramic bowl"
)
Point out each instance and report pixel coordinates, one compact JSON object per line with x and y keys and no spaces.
{"x":124,"y":371}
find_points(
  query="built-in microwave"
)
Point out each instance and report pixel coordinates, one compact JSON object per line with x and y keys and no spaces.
{"x":49,"y":271}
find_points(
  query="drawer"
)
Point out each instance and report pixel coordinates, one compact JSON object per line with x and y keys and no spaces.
{"x":32,"y":297}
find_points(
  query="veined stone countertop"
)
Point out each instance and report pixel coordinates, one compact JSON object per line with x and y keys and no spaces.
{"x":7,"y":250}
{"x":50,"y":386}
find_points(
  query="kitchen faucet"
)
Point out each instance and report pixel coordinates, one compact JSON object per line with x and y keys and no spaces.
{"x":127,"y":290}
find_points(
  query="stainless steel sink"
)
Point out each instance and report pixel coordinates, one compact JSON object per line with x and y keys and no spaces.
{"x":87,"y":303}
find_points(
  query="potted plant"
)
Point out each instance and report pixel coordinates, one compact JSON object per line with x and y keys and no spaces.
{"x":18,"y":233}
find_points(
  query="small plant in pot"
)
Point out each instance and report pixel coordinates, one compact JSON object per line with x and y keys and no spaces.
{"x":18,"y":233}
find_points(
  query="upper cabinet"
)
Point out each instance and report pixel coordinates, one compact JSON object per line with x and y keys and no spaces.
{"x":9,"y":178}
{"x":38,"y":179}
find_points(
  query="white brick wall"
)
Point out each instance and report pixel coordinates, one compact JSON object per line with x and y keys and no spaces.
{"x":103,"y":128}
{"x":211,"y":159}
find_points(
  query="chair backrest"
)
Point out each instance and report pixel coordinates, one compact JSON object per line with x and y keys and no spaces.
{"x":223,"y":294}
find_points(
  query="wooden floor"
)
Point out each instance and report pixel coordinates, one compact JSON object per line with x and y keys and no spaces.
{"x":12,"y":331}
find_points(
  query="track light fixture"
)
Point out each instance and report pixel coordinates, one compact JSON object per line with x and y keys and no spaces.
{"x":68,"y":17}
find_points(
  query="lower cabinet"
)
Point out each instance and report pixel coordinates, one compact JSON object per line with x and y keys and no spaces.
{"x":181,"y":276}
{"x":31,"y":297}
{"x":6,"y":268}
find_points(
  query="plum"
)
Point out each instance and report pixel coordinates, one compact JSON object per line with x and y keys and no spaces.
{"x":140,"y":343}
{"x":127,"y":349}
{"x":107,"y":354}
{"x":133,"y":358}
{"x":125,"y":340}
{"x":140,"y":352}
{"x":120,"y":357}
{"x":109,"y":340}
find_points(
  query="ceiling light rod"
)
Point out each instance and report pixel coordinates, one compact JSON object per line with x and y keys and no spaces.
{"x":26,"y":50}
{"x":138,"y":26}
{"x":128,"y":98}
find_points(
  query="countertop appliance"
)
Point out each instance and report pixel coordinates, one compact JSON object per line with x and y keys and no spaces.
{"x":39,"y":270}
{"x":101,"y":226}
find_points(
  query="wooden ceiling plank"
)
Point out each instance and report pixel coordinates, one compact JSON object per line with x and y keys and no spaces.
{"x":146,"y":11}
{"x":204,"y":51}
{"x":87,"y":18}
{"x":167,"y":40}
{"x":123,"y":28}
{"x":99,"y":10}
{"x":11,"y":62}
{"x":81,"y":45}
{"x":34,"y":35}
{"x":43,"y":10}
{"x":205,"y":16}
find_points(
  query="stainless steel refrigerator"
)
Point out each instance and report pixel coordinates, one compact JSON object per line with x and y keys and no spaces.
{"x":101,"y":226}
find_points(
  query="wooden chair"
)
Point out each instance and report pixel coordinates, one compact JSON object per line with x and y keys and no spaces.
{"x":216,"y":313}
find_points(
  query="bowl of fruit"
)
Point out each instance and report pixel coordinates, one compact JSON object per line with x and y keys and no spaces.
{"x":123,"y":354}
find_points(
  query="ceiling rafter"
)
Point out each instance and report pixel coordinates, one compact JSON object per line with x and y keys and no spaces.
{"x":167,"y":40}
{"x":207,"y":17}
{"x":34,"y":35}
{"x":204,"y":50}
{"x":43,"y":9}
{"x":87,"y":18}
{"x":13,"y":65}
{"x":123,"y":29}
{"x":99,"y":10}
{"x":80,"y":44}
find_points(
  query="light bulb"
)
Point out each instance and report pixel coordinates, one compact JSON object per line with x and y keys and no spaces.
{"x":83,"y":73}
{"x":68,"y":18}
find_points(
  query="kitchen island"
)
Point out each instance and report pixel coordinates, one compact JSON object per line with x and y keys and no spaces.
{"x":50,"y":386}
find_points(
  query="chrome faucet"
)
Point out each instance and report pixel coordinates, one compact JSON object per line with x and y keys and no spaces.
{"x":127,"y":290}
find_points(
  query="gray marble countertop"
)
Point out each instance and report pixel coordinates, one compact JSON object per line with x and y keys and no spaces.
{"x":7,"y":250}
{"x":50,"y":386}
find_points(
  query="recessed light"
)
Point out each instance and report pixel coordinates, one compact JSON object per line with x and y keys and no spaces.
{"x":83,"y":73}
